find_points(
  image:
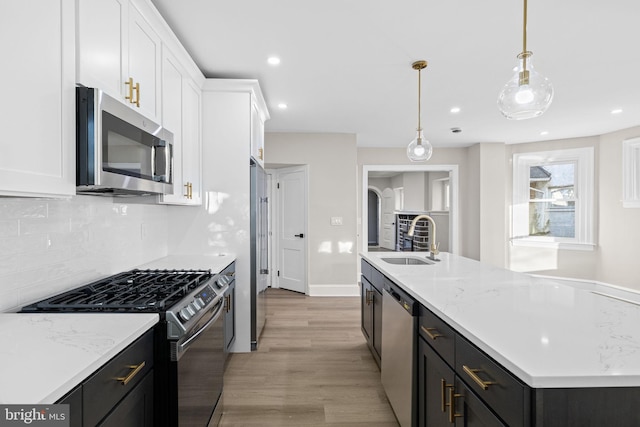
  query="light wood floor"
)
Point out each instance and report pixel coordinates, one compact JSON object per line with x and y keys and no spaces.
{"x":312,"y":368}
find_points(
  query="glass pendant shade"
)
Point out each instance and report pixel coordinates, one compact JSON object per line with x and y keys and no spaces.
{"x":527,"y":94}
{"x":419,"y":150}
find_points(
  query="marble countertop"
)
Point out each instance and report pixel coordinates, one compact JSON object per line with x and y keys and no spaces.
{"x":214,"y":262}
{"x":547,"y":333}
{"x":44,"y":356}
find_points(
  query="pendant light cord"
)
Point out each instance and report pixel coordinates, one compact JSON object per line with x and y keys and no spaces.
{"x":524,"y":37}
{"x":419,"y":96}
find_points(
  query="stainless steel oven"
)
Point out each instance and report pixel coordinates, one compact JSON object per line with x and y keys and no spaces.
{"x":188,"y":340}
{"x":119,"y":151}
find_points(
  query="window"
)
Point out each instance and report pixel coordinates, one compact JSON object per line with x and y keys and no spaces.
{"x":553,"y":199}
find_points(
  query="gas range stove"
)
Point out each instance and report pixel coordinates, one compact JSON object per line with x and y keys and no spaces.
{"x":181,"y":297}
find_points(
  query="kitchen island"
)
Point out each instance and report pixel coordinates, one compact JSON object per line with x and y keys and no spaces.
{"x":564,"y":347}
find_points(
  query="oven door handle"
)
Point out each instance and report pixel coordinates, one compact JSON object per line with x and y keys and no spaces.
{"x":185,"y":345}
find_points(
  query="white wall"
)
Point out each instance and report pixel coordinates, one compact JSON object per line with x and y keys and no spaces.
{"x":619,"y":228}
{"x":332,"y":192}
{"x":51,"y":245}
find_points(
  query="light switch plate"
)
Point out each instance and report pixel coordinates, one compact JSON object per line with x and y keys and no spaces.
{"x":336,"y":220}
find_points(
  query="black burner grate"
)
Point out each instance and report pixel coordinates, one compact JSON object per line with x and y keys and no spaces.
{"x":135,"y":290}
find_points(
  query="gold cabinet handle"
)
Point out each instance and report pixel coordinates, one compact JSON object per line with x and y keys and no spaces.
{"x":130,"y":84}
{"x":227,"y":303}
{"x":261,"y":153}
{"x":430,"y":333}
{"x":135,"y":370}
{"x":137,"y":88}
{"x":369,"y":297}
{"x":189,"y":194}
{"x":452,"y":405}
{"x":474,"y":376}
{"x":443,"y":394}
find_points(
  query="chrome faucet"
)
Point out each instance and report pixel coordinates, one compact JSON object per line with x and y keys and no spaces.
{"x":433,"y":250}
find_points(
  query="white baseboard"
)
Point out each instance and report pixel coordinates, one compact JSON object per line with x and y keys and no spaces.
{"x":334,"y":290}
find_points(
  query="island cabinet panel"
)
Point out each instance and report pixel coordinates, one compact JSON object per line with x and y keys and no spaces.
{"x":435,"y":379}
{"x":371,"y":309}
{"x":74,"y":400}
{"x":580,"y":407}
{"x":503,"y":392}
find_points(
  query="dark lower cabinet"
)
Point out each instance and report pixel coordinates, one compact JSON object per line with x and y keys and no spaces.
{"x":136,"y":410}
{"x":469,"y":411}
{"x":435,"y":380}
{"x":120,"y":393}
{"x":371,"y":317}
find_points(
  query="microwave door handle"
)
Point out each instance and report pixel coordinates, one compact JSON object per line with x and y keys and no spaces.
{"x":153,"y":162}
{"x":166,"y":156}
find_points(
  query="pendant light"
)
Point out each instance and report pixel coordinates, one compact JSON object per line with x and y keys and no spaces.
{"x":527,"y":94}
{"x":419,"y":150}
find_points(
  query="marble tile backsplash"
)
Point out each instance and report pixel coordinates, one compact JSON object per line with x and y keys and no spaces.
{"x":48,"y":246}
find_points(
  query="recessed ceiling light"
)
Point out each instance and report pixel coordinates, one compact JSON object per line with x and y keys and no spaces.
{"x":544,"y":132}
{"x":282,"y":106}
{"x":273,"y":60}
{"x":455,"y":110}
{"x":616,"y":111}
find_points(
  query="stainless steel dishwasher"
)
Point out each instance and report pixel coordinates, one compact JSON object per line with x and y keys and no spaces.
{"x":398,"y":351}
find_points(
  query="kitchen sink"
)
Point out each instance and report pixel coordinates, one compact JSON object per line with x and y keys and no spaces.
{"x":407,"y":261}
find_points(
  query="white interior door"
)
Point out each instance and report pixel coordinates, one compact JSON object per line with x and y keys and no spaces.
{"x":292,"y":228}
{"x":388,"y":220}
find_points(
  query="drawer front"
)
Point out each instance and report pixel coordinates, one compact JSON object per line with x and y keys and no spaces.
{"x":502,"y":392}
{"x":438,"y":334}
{"x":104,"y":389}
{"x":377,"y":279}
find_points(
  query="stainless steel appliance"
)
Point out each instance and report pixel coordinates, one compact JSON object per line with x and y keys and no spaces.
{"x":398,"y":351}
{"x":259,"y":250}
{"x":118,"y":151}
{"x":189,"y":344}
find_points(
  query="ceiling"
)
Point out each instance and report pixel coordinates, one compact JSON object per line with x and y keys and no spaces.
{"x":346,"y":64}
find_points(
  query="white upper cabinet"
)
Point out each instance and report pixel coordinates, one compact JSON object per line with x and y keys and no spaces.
{"x":181,"y":116}
{"x":120,"y":53}
{"x":37,"y":107}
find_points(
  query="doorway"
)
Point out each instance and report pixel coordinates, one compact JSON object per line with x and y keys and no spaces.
{"x":442,"y":184}
{"x":290,"y":236}
{"x":373,"y":206}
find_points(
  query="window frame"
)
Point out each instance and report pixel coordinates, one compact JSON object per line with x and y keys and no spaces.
{"x":584,"y":189}
{"x":631,"y":173}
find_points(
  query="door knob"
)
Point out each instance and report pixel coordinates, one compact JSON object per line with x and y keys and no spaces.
{"x":301,"y":235}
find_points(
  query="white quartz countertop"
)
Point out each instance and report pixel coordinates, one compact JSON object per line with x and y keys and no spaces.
{"x":44,"y":356}
{"x":547,"y":333}
{"x":214,"y":262}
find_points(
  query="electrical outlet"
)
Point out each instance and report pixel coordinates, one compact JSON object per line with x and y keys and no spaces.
{"x":336,"y":220}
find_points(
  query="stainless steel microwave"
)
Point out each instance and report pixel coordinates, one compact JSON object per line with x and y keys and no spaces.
{"x":119,"y":152}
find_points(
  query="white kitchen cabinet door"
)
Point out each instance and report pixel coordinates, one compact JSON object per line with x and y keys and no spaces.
{"x":120,"y":53}
{"x":144,"y":65}
{"x":257,"y":134}
{"x":191,"y":140}
{"x":37,"y":107}
{"x":101,"y":62}
{"x":181,"y":116}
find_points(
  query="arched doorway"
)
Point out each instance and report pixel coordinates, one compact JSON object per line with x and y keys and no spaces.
{"x":373,"y":212}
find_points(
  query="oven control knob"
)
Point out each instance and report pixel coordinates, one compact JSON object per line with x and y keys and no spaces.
{"x":190,"y":310}
{"x":195,"y":307}
{"x":184,"y":315}
{"x":200,"y":301}
{"x":196,"y":304}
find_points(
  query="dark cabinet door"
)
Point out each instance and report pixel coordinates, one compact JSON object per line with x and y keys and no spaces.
{"x":470,"y":411}
{"x":366,"y":306}
{"x":435,"y":383}
{"x":74,"y":400}
{"x":377,"y":321}
{"x":136,"y":409}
